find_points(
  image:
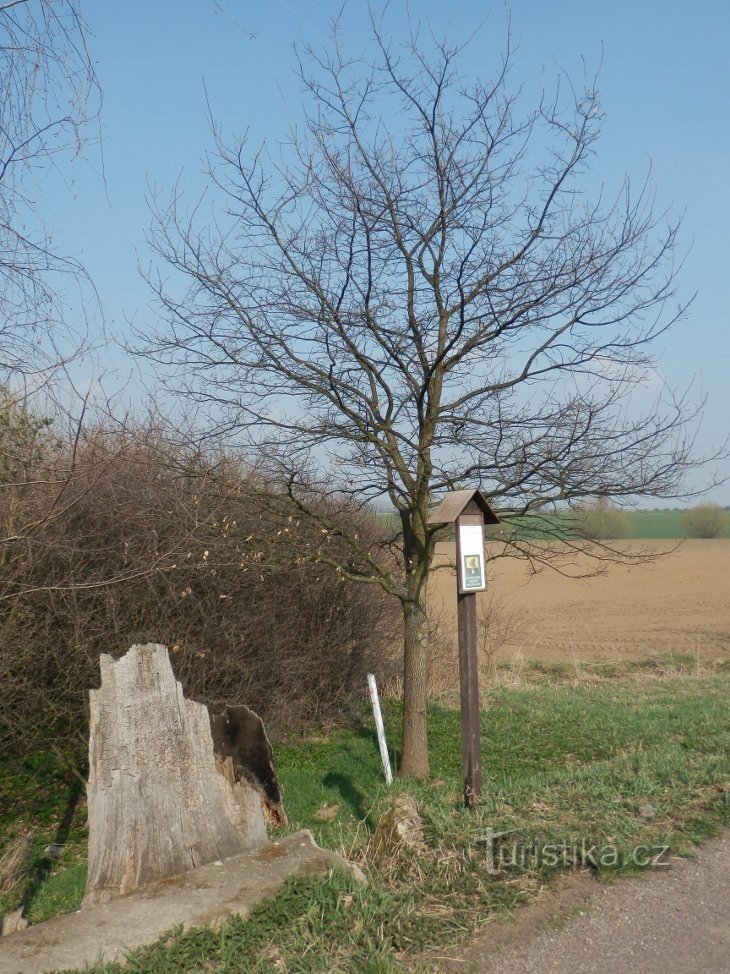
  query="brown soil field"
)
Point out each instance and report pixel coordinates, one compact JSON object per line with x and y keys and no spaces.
{"x":677,"y":604}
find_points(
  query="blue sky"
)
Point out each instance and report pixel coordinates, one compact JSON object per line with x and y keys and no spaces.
{"x":664,"y":84}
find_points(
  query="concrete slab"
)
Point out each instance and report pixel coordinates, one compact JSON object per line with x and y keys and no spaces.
{"x":107,"y":931}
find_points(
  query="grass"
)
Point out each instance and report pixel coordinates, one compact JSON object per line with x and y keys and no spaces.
{"x":643,"y":526}
{"x":42,"y":795}
{"x":662,"y":524}
{"x":640,"y":759}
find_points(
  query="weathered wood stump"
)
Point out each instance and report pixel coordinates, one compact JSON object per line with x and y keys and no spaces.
{"x":158,"y":804}
{"x":243,"y":751}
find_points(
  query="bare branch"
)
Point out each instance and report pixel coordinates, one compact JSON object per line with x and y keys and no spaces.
{"x":416,"y":293}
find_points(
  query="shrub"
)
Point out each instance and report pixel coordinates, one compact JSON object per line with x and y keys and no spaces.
{"x":601,"y":521}
{"x":705,"y":521}
{"x":149,"y":543}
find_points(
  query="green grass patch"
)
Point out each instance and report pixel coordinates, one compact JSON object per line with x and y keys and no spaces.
{"x":574,"y":775}
{"x":643,"y":526}
{"x":662,"y":524}
{"x":42,"y":796}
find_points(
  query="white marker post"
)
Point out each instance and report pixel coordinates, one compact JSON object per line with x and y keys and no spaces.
{"x":384,"y":757}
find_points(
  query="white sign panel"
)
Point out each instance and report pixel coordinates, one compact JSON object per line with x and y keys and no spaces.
{"x":472,"y":570}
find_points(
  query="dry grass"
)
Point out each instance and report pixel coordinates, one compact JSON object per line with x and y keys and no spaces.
{"x":13,"y":862}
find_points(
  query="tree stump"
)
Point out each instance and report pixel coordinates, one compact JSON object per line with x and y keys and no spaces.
{"x":158,"y":804}
{"x":243,"y":751}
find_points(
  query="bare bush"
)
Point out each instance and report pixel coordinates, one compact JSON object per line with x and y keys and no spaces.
{"x":601,"y":521}
{"x":705,"y":521}
{"x":496,"y":626}
{"x":156,"y":544}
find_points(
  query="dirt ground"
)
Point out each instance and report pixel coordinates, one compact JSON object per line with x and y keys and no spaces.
{"x":672,"y":919}
{"x":678,"y":604}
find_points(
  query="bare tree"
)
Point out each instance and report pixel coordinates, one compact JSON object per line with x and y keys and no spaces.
{"x":49,"y":94}
{"x":414,"y":294}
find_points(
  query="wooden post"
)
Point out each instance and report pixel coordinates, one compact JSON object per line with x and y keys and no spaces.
{"x":468,"y":511}
{"x":471,"y":748}
{"x":466,"y":603}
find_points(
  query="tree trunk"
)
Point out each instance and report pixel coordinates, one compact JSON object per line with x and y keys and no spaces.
{"x":414,"y":761}
{"x":158,"y":803}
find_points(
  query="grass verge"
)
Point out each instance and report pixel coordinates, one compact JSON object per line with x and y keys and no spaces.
{"x":574,"y":776}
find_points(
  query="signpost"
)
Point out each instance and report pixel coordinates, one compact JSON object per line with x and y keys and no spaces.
{"x":468,"y":511}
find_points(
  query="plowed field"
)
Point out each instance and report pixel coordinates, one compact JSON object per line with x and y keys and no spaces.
{"x":679,"y":604}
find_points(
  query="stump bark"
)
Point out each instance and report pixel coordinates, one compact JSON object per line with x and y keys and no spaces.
{"x":159,"y":805}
